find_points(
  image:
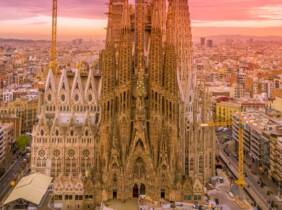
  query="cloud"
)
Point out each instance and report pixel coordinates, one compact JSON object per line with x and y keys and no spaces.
{"x":200,"y":9}
{"x":269,"y":12}
{"x":16,"y":9}
{"x":26,"y":16}
{"x":238,"y":23}
{"x":228,"y":9}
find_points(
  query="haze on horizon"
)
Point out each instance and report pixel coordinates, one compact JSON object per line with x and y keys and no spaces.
{"x":86,"y":18}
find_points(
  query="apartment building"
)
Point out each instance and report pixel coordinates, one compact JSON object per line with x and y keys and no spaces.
{"x":225,"y":109}
{"x":25,"y":110}
{"x":6,"y":141}
{"x":262,"y":135}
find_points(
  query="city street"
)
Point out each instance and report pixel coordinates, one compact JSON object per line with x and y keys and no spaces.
{"x":221,"y":193}
{"x":12,"y":173}
{"x":252,"y":186}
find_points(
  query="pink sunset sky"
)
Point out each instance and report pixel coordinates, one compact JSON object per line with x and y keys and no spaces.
{"x":86,"y":18}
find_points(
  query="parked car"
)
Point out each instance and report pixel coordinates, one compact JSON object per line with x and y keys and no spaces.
{"x":195,"y":206}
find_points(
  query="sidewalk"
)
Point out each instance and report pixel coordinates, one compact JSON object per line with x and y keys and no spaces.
{"x":8,"y":170}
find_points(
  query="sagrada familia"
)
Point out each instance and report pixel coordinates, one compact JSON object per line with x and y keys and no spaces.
{"x":133,"y":126}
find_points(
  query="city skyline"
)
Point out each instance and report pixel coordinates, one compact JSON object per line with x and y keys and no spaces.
{"x":87,"y":18}
{"x":134,"y":105}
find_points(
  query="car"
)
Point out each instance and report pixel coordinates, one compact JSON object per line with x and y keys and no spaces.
{"x":226,"y":138}
{"x":28,"y":134}
{"x":220,"y":129}
{"x":195,"y":206}
{"x":221,"y":180}
{"x":178,"y":204}
{"x":269,"y":192}
{"x":231,"y":194}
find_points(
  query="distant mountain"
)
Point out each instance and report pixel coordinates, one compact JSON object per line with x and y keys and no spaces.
{"x":196,"y":39}
{"x":21,"y":40}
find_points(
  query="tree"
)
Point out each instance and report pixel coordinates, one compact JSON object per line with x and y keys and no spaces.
{"x":22,"y":142}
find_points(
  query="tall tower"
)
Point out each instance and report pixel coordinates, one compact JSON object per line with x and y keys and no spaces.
{"x":114,"y":20}
{"x":180,"y":36}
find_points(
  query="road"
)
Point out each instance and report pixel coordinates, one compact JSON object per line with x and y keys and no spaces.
{"x":253,"y":188}
{"x":9,"y":176}
{"x":226,"y":202}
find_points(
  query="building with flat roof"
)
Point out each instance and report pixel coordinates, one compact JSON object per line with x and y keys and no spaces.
{"x":277,"y":104}
{"x":25,"y":110}
{"x":225,"y":109}
{"x":30,"y":193}
{"x":262,"y":140}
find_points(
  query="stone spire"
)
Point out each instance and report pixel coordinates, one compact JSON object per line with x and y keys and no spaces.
{"x":109,"y":36}
{"x":139,"y":59}
{"x":50,"y":88}
{"x":139,"y":35}
{"x":125,"y":20}
{"x":125,"y":48}
{"x":170,"y":23}
{"x":179,"y":34}
{"x":155,"y":53}
{"x":156,"y":15}
{"x":63,"y":88}
{"x":114,"y":21}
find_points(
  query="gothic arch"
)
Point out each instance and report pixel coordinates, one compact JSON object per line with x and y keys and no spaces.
{"x":124,"y":131}
{"x":139,"y":169}
{"x":142,"y":189}
{"x":139,"y":145}
{"x":135,"y":191}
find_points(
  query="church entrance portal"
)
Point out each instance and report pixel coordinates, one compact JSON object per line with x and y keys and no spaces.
{"x":138,"y":190}
{"x":114,"y":194}
{"x":162,"y":193}
{"x":142,"y":189}
{"x":135,"y":193}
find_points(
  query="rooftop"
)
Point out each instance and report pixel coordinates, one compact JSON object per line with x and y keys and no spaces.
{"x":262,"y":122}
{"x":30,"y":188}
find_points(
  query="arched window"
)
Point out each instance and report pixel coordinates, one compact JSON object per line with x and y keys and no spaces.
{"x":139,"y":168}
{"x":192,"y":164}
{"x":140,"y":144}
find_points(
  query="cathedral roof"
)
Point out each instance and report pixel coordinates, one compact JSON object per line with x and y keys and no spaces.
{"x":75,"y":119}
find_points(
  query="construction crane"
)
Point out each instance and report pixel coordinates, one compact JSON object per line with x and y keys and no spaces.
{"x":241,"y":178}
{"x":53,"y":54}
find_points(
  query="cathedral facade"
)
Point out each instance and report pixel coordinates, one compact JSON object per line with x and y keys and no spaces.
{"x":136,"y":130}
{"x":151,"y":141}
{"x":64,"y":139}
